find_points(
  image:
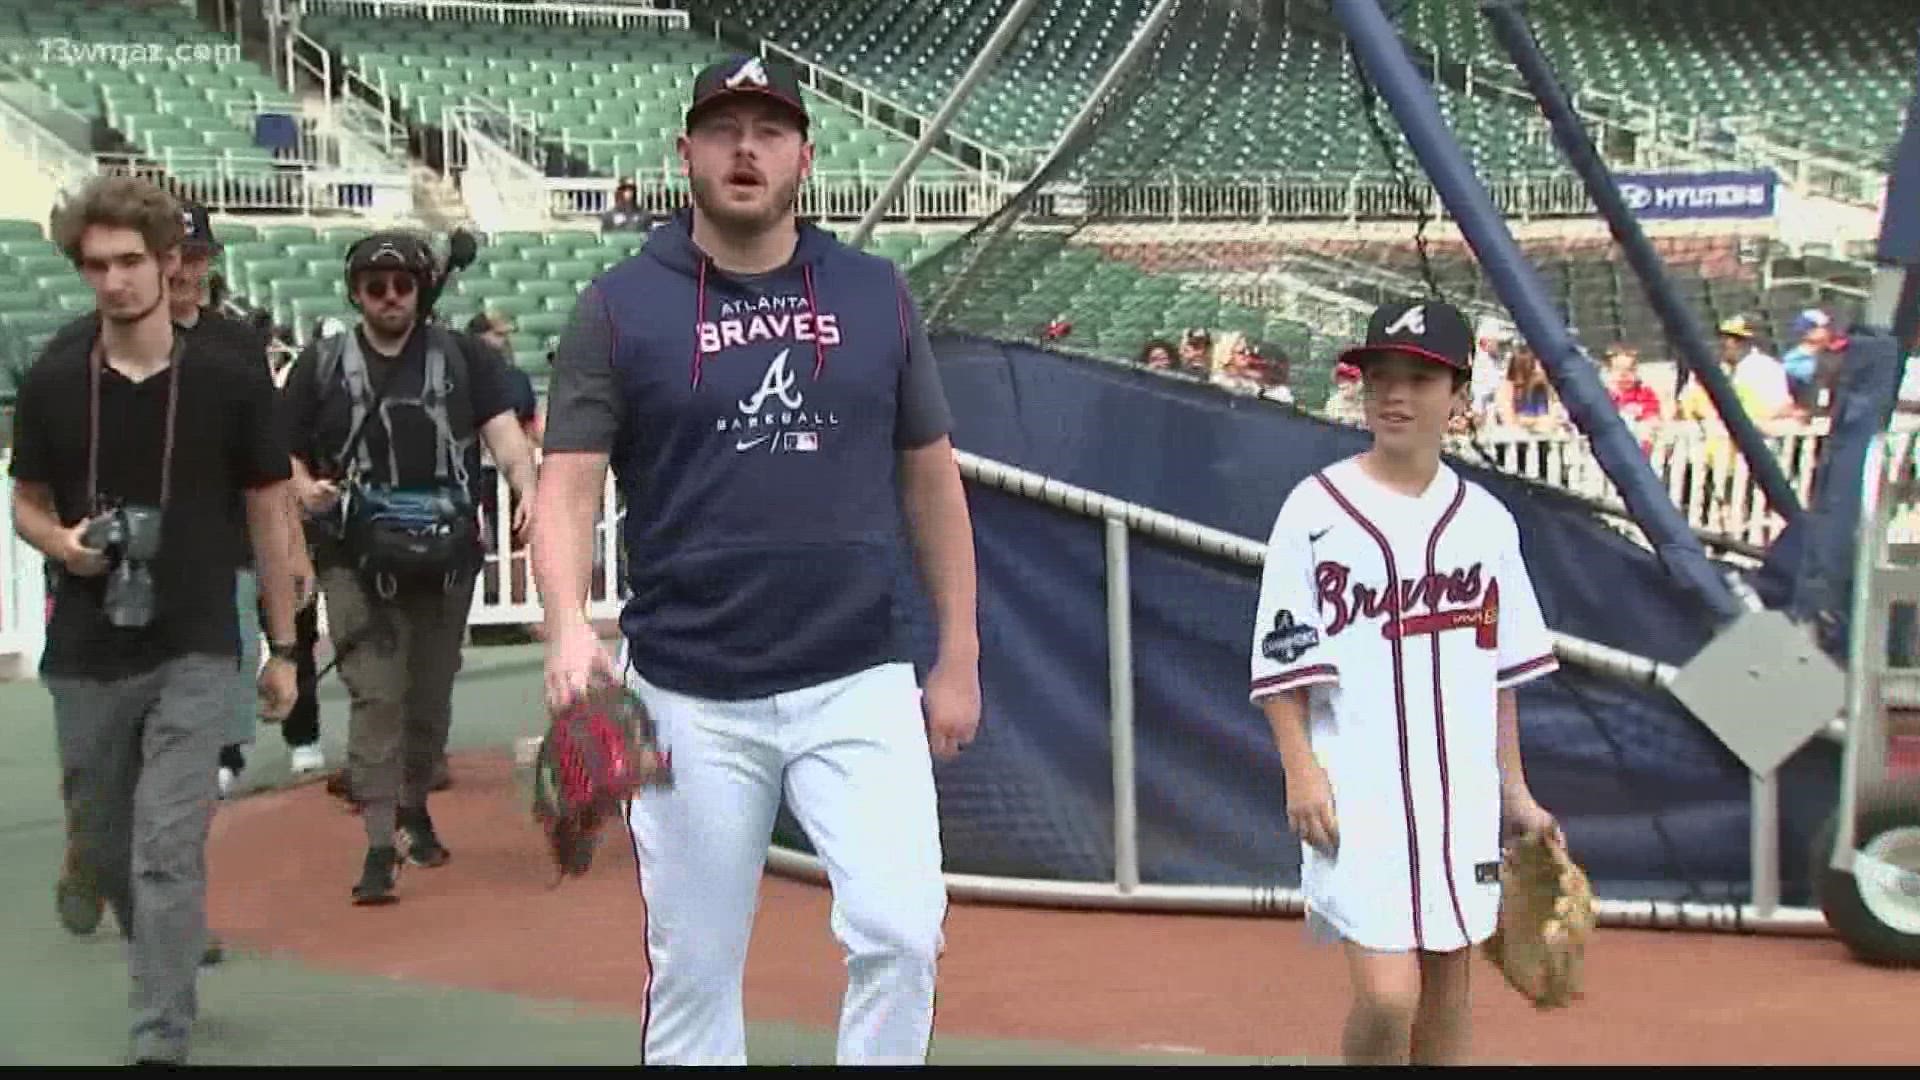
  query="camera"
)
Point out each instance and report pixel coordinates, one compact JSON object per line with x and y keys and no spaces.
{"x":129,"y":538}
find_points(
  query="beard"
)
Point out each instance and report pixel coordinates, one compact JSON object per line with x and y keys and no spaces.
{"x":779,"y":202}
{"x":133,"y":307}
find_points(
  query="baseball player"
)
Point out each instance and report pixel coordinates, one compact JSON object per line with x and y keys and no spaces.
{"x":769,"y":405}
{"x":1395,"y":620}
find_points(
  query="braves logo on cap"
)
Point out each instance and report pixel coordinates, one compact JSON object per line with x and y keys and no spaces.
{"x":1411,"y":321}
{"x":751,"y":73}
{"x":1428,"y":328}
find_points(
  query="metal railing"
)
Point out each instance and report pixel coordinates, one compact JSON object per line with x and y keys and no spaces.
{"x":53,"y":157}
{"x":827,"y":195}
{"x":1120,"y":520}
{"x":224,"y":183}
{"x":508,"y":12}
{"x":502,"y":191}
{"x":1277,"y":197}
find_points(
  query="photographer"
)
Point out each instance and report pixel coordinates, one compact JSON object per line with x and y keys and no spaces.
{"x":384,"y":421}
{"x":143,"y":455}
{"x":196,"y":316}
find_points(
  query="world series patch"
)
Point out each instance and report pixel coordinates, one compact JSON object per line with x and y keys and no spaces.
{"x":1288,"y":640}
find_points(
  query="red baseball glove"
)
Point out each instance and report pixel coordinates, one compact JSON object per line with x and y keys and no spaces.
{"x":598,"y":753}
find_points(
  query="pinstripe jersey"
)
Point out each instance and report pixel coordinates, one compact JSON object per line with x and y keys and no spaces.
{"x":1404,"y":616}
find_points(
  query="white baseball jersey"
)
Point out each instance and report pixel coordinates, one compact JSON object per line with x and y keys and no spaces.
{"x":1405,"y":616}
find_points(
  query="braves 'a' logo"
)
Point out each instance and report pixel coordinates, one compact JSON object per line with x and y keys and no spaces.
{"x":753,"y":72}
{"x":1411,"y":321}
{"x":777,"y":382}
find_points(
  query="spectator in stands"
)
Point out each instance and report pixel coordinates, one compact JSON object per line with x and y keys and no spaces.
{"x":1637,"y":401}
{"x":1527,"y":400}
{"x":1235,"y":365}
{"x":1812,"y":330}
{"x":1829,"y":376}
{"x":1196,"y":354}
{"x":1761,"y":380}
{"x":1275,"y":373}
{"x":1491,"y":339}
{"x":1157,"y":354}
{"x":1345,"y":404}
{"x":625,"y":214}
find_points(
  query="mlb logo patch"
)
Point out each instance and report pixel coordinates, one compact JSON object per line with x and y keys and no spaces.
{"x":802,"y":442}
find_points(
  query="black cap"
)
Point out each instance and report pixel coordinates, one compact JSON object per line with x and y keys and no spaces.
{"x":748,"y":75}
{"x":199,"y":228}
{"x":1429,"y":329}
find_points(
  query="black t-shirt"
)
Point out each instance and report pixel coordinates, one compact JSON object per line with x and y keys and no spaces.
{"x":320,"y":421}
{"x":211,"y":332}
{"x":227,"y":440}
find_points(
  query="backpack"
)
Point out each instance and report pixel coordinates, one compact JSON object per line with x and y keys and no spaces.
{"x":392,"y":535}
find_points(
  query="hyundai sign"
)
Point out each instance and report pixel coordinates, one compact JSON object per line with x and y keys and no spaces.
{"x":1669,"y":196}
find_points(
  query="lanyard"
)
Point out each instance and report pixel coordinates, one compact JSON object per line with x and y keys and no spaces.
{"x":96,"y":363}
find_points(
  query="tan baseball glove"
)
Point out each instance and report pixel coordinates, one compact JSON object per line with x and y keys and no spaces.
{"x":1546,"y":918}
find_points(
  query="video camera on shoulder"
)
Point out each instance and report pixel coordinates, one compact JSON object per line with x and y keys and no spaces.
{"x":128,"y":536}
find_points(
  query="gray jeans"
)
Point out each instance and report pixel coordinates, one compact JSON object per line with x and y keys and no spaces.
{"x":398,"y":661}
{"x":137,"y":759}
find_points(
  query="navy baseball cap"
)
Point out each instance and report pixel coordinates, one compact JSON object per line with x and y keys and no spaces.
{"x":1429,"y":329}
{"x":747,"y":75}
{"x":199,"y":226}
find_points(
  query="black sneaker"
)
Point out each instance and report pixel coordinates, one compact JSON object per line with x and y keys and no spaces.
{"x":377,"y":877}
{"x":416,"y":840}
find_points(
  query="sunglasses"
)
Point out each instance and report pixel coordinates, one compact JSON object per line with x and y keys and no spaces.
{"x":377,"y":288}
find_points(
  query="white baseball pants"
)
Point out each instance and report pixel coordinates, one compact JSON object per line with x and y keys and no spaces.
{"x":851,"y":757}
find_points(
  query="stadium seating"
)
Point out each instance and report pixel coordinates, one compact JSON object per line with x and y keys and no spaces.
{"x":614,"y":105}
{"x":174,"y":104}
{"x":1838,"y":80}
{"x":1247,"y":95}
{"x":39,"y":292}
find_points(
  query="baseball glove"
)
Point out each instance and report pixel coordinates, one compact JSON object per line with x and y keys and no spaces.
{"x":1546,"y":917}
{"x":598,"y":753}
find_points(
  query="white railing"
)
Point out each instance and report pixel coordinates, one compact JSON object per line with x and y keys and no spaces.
{"x":502,"y":191}
{"x":224,"y":183}
{"x":1704,"y":475}
{"x":840,"y":195}
{"x":538,"y":13}
{"x":63,"y":166}
{"x":1265,"y":198}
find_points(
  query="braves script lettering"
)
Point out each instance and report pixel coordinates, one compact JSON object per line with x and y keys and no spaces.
{"x":1344,"y":601}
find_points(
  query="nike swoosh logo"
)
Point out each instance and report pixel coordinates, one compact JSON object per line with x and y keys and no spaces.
{"x":751,"y":443}
{"x":1314,"y":538}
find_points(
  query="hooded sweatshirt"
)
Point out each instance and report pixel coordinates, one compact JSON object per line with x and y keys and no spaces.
{"x":758,"y":423}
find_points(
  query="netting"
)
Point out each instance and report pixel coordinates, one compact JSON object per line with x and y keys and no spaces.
{"x":1236,"y":195}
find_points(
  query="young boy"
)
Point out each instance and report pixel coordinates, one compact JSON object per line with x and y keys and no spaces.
{"x":1395,"y":619}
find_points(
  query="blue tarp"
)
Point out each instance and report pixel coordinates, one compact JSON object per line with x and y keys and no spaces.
{"x":1651,"y":802}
